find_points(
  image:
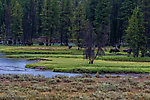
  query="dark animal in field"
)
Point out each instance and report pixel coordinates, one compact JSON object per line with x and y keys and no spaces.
{"x":70,"y":47}
{"x":114,"y":50}
{"x":20,"y":43}
{"x":9,"y":42}
{"x":128,"y":51}
{"x":28,"y":43}
{"x":147,"y":54}
{"x":46,"y":44}
{"x":114,"y":46}
{"x":41,"y":43}
{"x":118,"y":46}
{"x":80,"y":46}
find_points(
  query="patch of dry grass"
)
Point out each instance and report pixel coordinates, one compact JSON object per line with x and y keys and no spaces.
{"x":70,"y":88}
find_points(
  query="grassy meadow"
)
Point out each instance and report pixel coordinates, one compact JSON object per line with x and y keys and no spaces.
{"x":39,"y":50}
{"x":63,"y":59}
{"x":85,"y":87}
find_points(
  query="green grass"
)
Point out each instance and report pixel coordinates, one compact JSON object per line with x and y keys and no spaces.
{"x":106,"y":58}
{"x":48,"y":50}
{"x":65,"y":60}
{"x":77,"y":65}
{"x":33,"y":56}
{"x":125,"y":58}
{"x":39,"y":50}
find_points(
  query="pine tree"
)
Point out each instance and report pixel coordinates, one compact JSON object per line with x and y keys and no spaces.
{"x":2,"y":25}
{"x":39,"y":6}
{"x":90,"y":10}
{"x":136,"y":33}
{"x":7,"y":20}
{"x":16,"y":21}
{"x":26,"y":22}
{"x":145,"y":5}
{"x":79,"y":24}
{"x":1,"y":13}
{"x":46,"y":19}
{"x":125,"y":13}
{"x":55,"y":20}
{"x":102,"y":22}
{"x":50,"y":19}
{"x":66,"y":21}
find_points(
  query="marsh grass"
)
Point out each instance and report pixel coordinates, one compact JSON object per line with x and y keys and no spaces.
{"x":61,"y":59}
{"x":48,"y":50}
{"x":39,"y":50}
{"x":125,"y":58}
{"x":33,"y":56}
{"x":77,"y":65}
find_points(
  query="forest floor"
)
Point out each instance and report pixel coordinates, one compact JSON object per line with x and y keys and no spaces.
{"x":21,"y":87}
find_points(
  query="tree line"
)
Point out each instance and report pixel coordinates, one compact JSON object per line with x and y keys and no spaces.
{"x":91,"y":22}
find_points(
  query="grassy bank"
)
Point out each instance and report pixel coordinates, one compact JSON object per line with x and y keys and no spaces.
{"x":39,"y":50}
{"x":49,"y":50}
{"x":34,"y":56}
{"x":125,"y":58}
{"x":24,"y":87}
{"x":77,"y":65}
{"x":66,"y":60}
{"x":106,"y":58}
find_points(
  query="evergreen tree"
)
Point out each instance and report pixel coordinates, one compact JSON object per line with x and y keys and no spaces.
{"x":55,"y":20}
{"x":26,"y":20}
{"x":1,"y":13}
{"x":79,"y":24}
{"x":50,"y":19}
{"x":136,"y":33}
{"x":2,"y":25}
{"x":145,"y":5}
{"x":102,"y":22}
{"x":125,"y":13}
{"x":90,"y":10}
{"x":46,"y":11}
{"x":66,"y":21}
{"x":16,"y":21}
{"x":32,"y":20}
{"x":7,"y":20}
{"x":114,"y":34}
{"x":39,"y":6}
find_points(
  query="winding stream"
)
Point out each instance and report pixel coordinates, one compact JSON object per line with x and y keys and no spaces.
{"x":17,"y":66}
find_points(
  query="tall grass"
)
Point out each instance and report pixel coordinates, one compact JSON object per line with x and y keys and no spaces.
{"x":76,"y":65}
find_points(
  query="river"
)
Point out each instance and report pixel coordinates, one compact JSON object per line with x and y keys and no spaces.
{"x":17,"y":66}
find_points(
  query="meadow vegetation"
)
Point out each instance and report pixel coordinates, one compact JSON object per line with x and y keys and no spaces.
{"x":76,"y":62}
{"x":20,"y":87}
{"x":77,"y":65}
{"x":39,"y":50}
{"x":85,"y":87}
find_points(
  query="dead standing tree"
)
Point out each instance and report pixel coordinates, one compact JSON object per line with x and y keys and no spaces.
{"x":89,"y":43}
{"x":94,"y":43}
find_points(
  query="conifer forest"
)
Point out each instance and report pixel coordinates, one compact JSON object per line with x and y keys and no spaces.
{"x":110,"y":22}
{"x":74,"y":49}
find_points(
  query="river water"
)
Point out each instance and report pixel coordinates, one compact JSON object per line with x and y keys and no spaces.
{"x":17,"y":66}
